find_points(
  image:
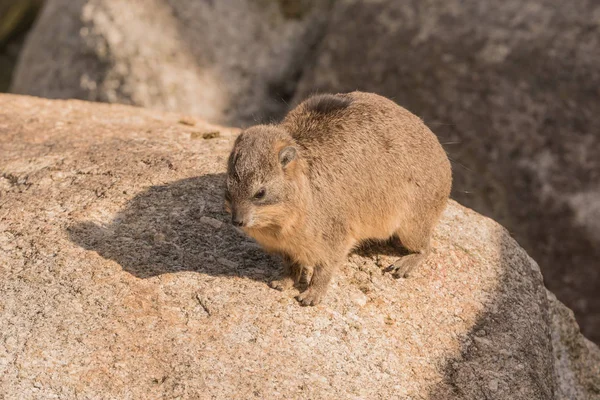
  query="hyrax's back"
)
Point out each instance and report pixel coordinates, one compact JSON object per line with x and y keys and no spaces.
{"x":374,"y":166}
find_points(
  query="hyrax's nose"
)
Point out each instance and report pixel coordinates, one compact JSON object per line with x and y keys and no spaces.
{"x":237,"y":220}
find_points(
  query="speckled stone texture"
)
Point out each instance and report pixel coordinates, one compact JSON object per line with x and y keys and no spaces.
{"x":512,"y":88}
{"x":226,"y":61}
{"x":122,"y":278}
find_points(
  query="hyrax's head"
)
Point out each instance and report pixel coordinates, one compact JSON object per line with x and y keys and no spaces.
{"x":263,"y":173}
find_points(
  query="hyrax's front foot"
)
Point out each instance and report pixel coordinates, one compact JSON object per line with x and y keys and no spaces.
{"x":282,"y":284}
{"x":403,"y":266}
{"x":311,"y":296}
{"x":318,"y":285}
{"x":292,"y":271}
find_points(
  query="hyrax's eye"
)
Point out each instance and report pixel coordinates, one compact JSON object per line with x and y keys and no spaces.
{"x":260,"y":193}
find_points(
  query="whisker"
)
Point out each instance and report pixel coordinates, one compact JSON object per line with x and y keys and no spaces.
{"x":456,"y":162}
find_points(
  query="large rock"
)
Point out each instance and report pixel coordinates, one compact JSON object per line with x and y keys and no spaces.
{"x":512,"y":89}
{"x":227,"y":61}
{"x":121,"y":278}
{"x":573,"y":353}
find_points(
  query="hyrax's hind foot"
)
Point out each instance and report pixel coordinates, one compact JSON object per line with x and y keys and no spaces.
{"x":403,"y":266}
{"x":417,"y":243}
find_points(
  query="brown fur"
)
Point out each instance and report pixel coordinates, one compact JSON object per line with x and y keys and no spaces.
{"x":338,"y":170}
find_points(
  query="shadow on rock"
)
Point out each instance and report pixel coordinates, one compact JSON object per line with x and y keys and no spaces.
{"x":177,"y":227}
{"x":374,"y":248}
{"x":182,"y":227}
{"x":507,"y":354}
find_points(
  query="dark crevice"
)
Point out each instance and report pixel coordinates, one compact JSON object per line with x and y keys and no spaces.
{"x":283,"y":91}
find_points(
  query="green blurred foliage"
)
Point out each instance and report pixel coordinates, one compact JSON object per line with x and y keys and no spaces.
{"x":16,"y":18}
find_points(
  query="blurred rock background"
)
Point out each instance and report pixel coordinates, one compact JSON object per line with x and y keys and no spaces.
{"x":511,"y":88}
{"x":231,"y":62}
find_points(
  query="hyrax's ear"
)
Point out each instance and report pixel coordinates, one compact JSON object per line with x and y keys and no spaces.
{"x":287,"y":155}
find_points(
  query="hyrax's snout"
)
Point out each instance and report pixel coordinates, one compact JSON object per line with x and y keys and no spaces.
{"x":240,"y":216}
{"x":237,"y":220}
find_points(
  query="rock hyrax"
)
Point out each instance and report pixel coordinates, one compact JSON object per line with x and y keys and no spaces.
{"x":338,"y":170}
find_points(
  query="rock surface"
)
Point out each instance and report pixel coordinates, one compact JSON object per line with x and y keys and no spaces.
{"x":121,"y":278}
{"x":512,"y":89}
{"x":226,"y":61}
{"x":577,"y":360}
